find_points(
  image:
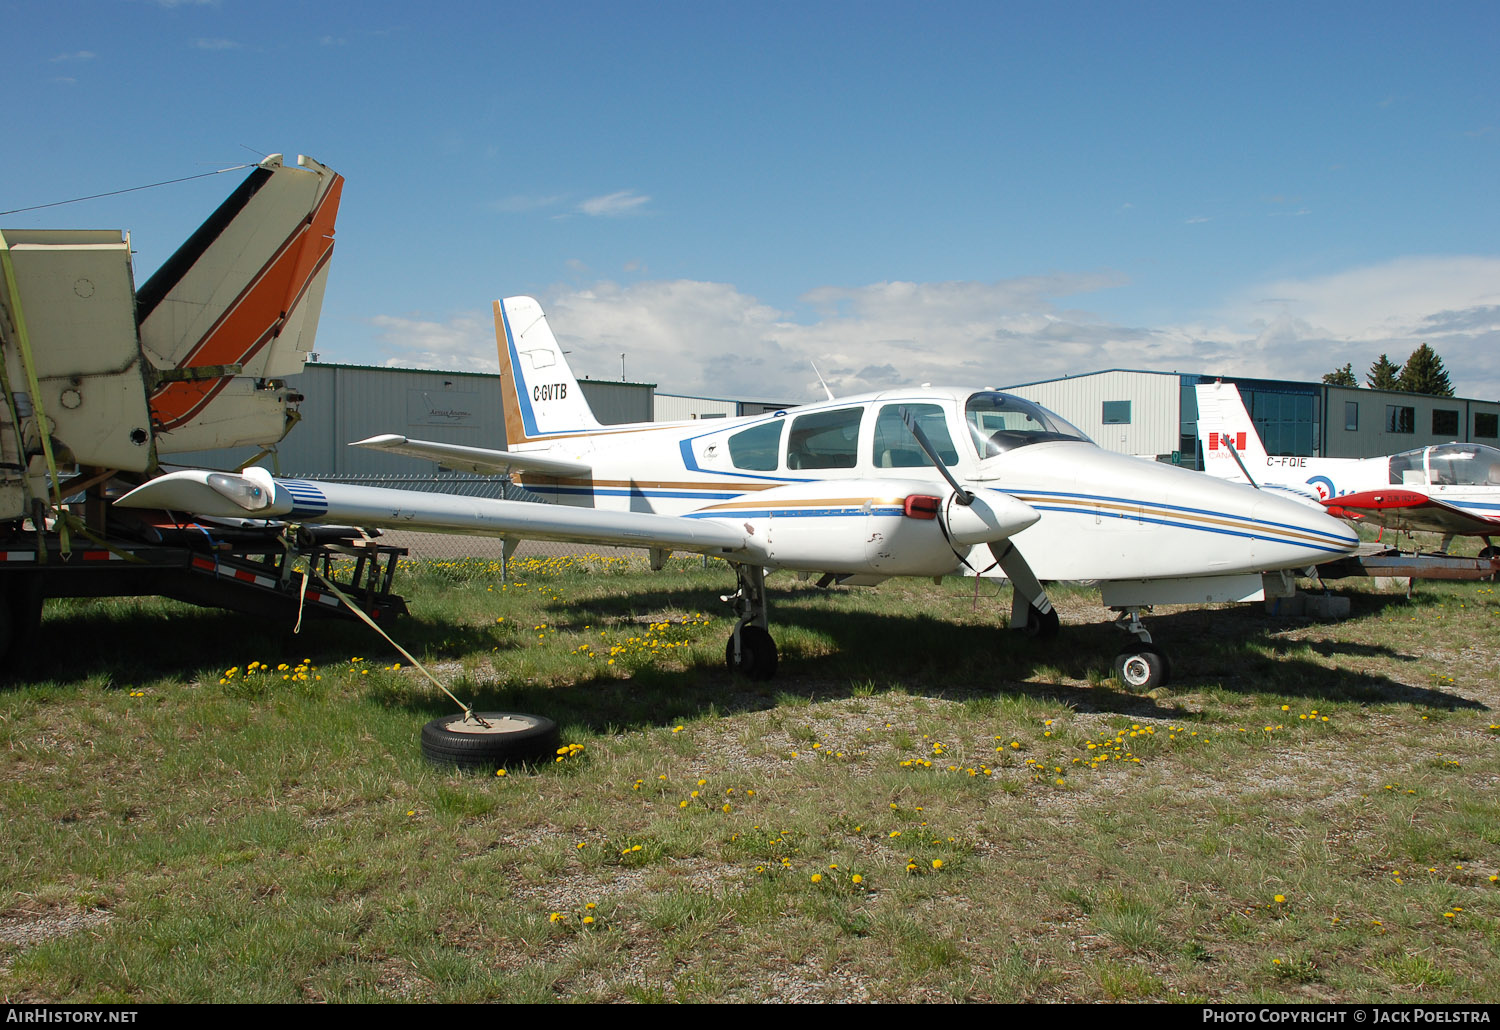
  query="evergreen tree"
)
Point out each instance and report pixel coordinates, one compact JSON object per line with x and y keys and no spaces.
{"x":1424,"y":373}
{"x":1385,"y":374}
{"x":1341,"y":376}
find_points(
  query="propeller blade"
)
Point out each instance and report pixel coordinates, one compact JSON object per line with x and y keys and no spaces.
{"x":960,"y":494}
{"x":1027,"y":592}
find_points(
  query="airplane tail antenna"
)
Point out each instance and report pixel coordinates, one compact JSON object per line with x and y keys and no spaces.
{"x":826,"y":390}
{"x":547,"y":398}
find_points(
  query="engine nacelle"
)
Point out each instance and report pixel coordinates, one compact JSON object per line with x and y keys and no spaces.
{"x":893,"y":527}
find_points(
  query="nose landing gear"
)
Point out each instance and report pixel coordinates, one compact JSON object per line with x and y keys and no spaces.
{"x":1143,"y":665}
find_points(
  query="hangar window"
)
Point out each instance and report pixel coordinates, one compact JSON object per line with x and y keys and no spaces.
{"x":1486,"y":424}
{"x":1117,"y":413}
{"x":756,"y":449}
{"x":1444,"y":422}
{"x":1351,"y":416}
{"x":895,"y":445}
{"x":1400,"y":419}
{"x":824,"y":440}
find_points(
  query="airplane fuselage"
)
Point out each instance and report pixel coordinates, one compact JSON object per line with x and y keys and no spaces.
{"x":840,"y":471}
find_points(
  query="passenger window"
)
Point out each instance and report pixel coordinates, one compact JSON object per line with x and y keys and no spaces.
{"x":896,"y":447}
{"x":756,"y":449}
{"x":824,"y":440}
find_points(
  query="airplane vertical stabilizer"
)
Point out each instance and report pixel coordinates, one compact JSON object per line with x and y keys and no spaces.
{"x":1222,"y":422}
{"x":240,"y":298}
{"x":547,"y":398}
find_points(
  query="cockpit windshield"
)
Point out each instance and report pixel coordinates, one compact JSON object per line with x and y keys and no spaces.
{"x":1000,"y":422}
{"x":1447,"y":464}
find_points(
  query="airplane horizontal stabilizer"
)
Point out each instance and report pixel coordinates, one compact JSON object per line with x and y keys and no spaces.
{"x":481,"y":460}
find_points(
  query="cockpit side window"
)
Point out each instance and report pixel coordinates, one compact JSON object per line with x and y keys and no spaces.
{"x":824,"y":440}
{"x":895,"y":445}
{"x":1463,"y":464}
{"x":757,"y":449}
{"x":1001,"y":422}
{"x":1406,"y":469}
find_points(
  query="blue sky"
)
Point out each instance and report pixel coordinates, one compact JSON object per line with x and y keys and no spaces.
{"x":981,"y":193}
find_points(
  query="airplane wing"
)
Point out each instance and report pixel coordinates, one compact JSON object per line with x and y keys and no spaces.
{"x":482,"y":460}
{"x":255,"y":494}
{"x":1411,"y":510}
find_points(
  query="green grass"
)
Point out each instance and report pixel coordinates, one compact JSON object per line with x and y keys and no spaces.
{"x":1024,"y":828}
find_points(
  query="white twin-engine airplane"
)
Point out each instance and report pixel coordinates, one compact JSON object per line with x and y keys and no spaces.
{"x":1447,"y":488}
{"x":914,"y":482}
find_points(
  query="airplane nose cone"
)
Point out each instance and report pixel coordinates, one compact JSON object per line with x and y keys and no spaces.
{"x":1299,"y":532}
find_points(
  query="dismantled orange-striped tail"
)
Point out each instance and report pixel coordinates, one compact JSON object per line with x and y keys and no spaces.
{"x":239,"y":301}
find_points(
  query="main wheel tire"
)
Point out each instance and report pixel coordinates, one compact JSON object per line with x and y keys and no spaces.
{"x":757,"y":654}
{"x":510,"y":737}
{"x":1142,"y":668}
{"x":1040,"y":626}
{"x":1489,"y":552}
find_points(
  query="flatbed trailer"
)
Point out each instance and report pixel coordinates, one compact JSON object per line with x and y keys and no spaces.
{"x":1390,"y":562}
{"x":101,"y":381}
{"x":257,"y":572}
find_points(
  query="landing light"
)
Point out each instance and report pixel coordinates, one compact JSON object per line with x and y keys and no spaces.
{"x":240,"y":490}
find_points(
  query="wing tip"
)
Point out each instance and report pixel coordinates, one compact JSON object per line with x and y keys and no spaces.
{"x":382,"y":440}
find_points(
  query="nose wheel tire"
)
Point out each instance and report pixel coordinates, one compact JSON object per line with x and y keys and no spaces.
{"x":509,"y":737}
{"x":1143,"y":667}
{"x":757,"y":658}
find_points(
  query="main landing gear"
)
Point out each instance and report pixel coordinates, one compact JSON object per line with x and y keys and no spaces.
{"x":750,"y":652}
{"x":1143,"y":665}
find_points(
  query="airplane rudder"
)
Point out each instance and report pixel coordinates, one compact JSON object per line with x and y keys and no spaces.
{"x":547,"y":394}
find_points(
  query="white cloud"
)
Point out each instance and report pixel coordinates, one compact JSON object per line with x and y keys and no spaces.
{"x":215,"y":44}
{"x":613,"y":205}
{"x":77,"y":55}
{"x":1305,"y":327}
{"x":464,"y":343}
{"x":710,"y":338}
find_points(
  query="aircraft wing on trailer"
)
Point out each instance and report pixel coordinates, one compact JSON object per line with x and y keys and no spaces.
{"x":255,"y":494}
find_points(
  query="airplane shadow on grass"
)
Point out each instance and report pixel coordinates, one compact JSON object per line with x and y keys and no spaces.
{"x":829,"y":649}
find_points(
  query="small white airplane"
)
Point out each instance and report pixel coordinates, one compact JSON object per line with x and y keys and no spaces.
{"x":1447,"y":488}
{"x":909,"y":482}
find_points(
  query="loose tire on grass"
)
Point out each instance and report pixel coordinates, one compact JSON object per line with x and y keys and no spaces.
{"x":511,"y":737}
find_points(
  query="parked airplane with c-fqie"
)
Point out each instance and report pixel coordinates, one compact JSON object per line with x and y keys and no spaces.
{"x":1447,"y":488}
{"x":912,"y":482}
